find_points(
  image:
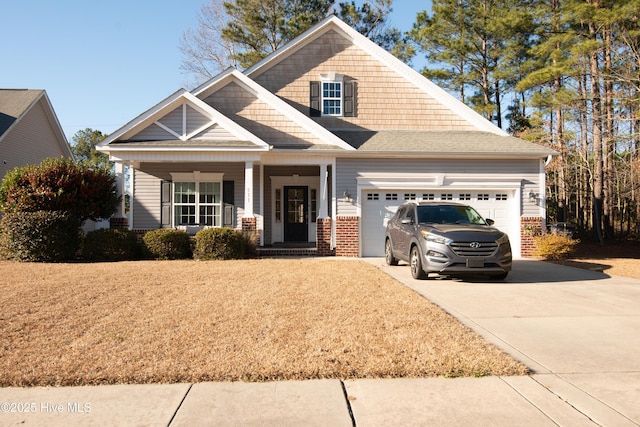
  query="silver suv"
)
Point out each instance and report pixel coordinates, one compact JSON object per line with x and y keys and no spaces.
{"x":446,"y":238}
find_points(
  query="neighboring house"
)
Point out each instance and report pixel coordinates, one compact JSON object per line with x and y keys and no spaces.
{"x":319,"y":143}
{"x":29,"y":129}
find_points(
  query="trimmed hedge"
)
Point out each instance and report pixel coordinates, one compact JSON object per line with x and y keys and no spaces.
{"x":554,"y":246}
{"x":220,"y":243}
{"x":41,"y":236}
{"x":110,"y":245}
{"x":165,"y":243}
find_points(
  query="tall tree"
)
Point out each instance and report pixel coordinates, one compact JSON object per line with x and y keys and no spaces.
{"x":372,"y":20}
{"x":238,"y":33}
{"x":84,"y":149}
{"x":466,"y":43}
{"x":260,"y":27}
{"x":205,"y":53}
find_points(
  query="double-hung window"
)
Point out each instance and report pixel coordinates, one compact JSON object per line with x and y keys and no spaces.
{"x":332,"y":98}
{"x":197,"y":199}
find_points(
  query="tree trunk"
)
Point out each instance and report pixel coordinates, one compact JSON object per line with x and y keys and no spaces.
{"x":596,"y":132}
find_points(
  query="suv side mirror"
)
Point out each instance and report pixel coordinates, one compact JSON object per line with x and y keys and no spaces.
{"x":489,"y":221}
{"x":406,"y":221}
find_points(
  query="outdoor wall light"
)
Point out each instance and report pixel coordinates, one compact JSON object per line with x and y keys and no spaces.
{"x":533,"y":196}
{"x":347,"y":195}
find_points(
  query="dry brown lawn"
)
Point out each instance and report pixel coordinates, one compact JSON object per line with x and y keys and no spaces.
{"x":612,"y":259}
{"x":256,"y":320}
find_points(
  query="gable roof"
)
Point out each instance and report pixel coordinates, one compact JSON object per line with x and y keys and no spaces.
{"x":232,"y":137}
{"x":253,"y":102}
{"x":15,"y":104}
{"x":326,"y":139}
{"x":427,"y":86}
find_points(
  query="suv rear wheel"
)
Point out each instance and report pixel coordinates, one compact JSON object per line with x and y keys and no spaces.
{"x":416,"y":264}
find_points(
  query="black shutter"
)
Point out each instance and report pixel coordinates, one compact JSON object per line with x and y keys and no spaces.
{"x":165,"y":204}
{"x":314,"y":99}
{"x":349,"y":99}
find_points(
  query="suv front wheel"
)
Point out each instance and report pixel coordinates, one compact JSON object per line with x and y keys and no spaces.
{"x":416,"y":264}
{"x":388,"y":254}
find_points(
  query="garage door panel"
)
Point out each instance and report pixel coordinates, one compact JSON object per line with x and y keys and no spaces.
{"x":380,"y":206}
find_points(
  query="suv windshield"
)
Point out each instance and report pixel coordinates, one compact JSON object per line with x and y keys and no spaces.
{"x":448,"y":214}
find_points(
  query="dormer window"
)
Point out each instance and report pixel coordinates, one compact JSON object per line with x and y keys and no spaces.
{"x":332,"y":96}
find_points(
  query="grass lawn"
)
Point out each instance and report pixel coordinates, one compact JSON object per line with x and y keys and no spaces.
{"x":255,"y":320}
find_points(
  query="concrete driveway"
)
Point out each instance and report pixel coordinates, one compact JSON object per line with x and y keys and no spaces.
{"x":578,"y":331}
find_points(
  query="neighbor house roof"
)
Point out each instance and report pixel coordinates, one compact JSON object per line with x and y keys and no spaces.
{"x":14,"y":103}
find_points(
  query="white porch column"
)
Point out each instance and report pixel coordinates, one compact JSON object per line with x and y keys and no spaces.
{"x":323,"y":211}
{"x":248,"y":190}
{"x":120,"y":183}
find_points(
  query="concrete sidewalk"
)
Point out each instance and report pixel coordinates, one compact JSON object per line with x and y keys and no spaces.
{"x":578,"y":331}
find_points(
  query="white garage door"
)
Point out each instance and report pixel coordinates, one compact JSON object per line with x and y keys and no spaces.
{"x":380,"y":206}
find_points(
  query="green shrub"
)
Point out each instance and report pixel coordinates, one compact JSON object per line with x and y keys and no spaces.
{"x":43,"y":236}
{"x":251,"y":242}
{"x":165,"y":243}
{"x":553,"y":246}
{"x":220,"y":243}
{"x":59,"y":184}
{"x":110,"y":245}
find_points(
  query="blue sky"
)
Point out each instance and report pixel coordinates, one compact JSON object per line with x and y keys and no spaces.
{"x":103,"y":63}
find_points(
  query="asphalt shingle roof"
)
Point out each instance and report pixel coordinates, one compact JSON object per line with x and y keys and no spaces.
{"x":13,"y":104}
{"x":440,"y":142}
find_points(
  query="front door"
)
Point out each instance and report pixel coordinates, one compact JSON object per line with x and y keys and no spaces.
{"x":296,"y":221}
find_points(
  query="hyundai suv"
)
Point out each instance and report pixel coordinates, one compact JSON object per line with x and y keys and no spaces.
{"x":446,"y":238}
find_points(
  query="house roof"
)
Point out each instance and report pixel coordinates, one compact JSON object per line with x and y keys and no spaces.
{"x":384,"y":57}
{"x":487,"y":140}
{"x":235,"y":135}
{"x":440,"y":142}
{"x":323,"y":135}
{"x":14,"y":103}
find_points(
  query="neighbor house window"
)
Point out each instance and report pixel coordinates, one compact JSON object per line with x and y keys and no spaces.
{"x":197,"y":199}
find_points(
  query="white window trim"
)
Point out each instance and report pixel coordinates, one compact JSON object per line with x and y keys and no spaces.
{"x":332,"y":77}
{"x":196,"y":177}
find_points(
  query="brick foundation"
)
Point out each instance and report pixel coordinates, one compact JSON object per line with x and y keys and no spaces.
{"x":323,"y":237}
{"x":529,"y":228}
{"x":249,"y":224}
{"x":119,"y":223}
{"x":347,"y":236}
